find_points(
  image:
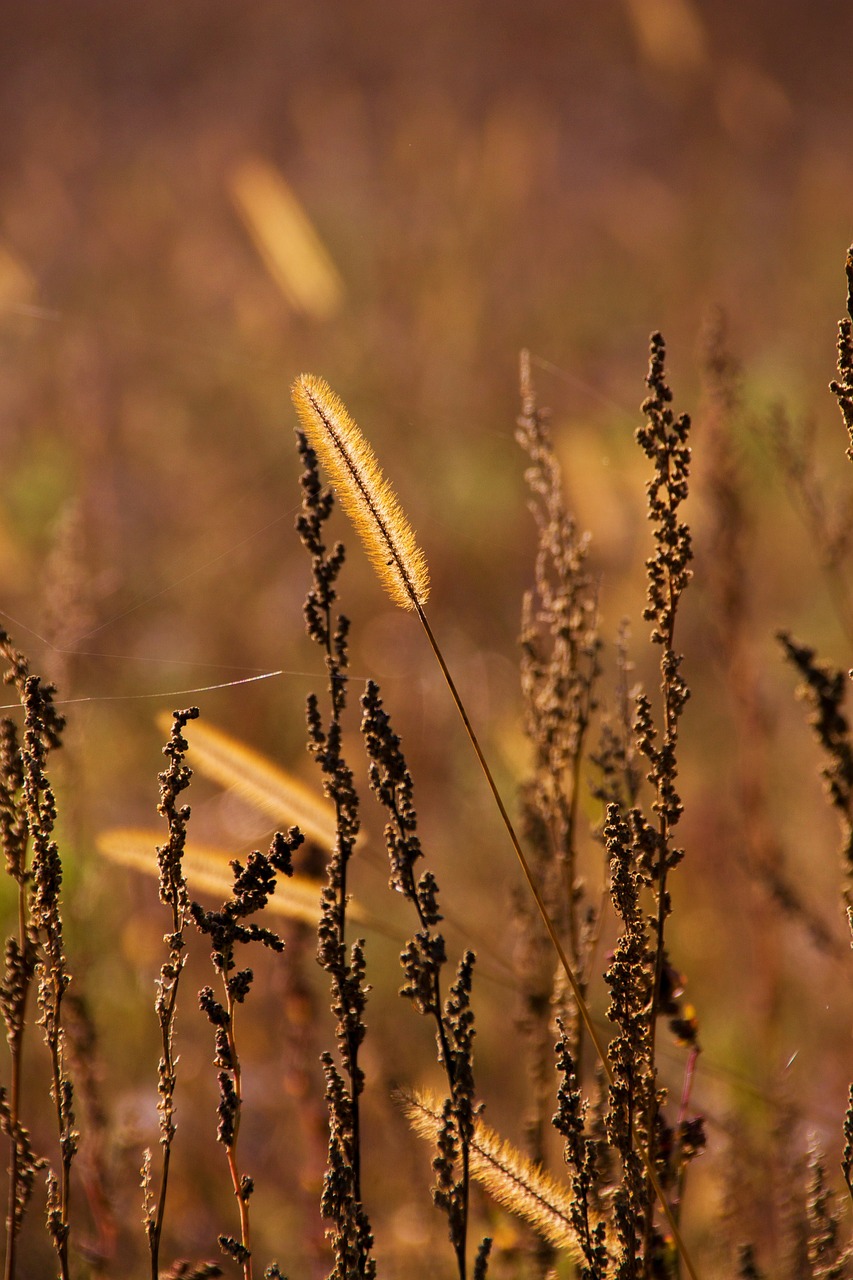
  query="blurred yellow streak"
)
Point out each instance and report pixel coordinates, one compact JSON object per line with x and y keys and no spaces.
{"x":670,"y":33}
{"x":208,"y":872}
{"x":272,"y":791}
{"x":16,"y":281}
{"x":284,"y":236}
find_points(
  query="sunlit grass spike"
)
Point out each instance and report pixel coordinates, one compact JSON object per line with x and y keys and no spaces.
{"x":515,"y":1182}
{"x":365,"y":493}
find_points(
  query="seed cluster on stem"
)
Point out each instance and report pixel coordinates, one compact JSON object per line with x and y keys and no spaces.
{"x":351,"y":1236}
{"x":27,"y":820}
{"x":423,"y":960}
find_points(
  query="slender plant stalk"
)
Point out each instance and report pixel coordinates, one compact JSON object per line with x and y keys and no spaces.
{"x":237,"y":1182}
{"x":228,"y":929}
{"x":423,"y":959}
{"x":372,"y":505}
{"x":27,"y":820}
{"x":174,"y":895}
{"x":20,"y":966}
{"x":560,"y":667}
{"x":842,"y":386}
{"x":351,"y":1235}
{"x":40,"y":735}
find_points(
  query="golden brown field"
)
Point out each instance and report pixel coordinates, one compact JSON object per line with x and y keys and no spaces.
{"x":198,"y":203}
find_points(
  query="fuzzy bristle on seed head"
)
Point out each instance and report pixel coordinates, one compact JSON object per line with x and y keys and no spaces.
{"x":510,"y":1178}
{"x":365,"y":494}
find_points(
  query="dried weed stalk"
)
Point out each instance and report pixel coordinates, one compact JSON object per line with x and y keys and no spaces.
{"x":423,"y":960}
{"x":842,"y":386}
{"x":229,"y":929}
{"x":560,"y":668}
{"x":729,"y":574}
{"x":174,"y":895}
{"x":351,"y":1236}
{"x":653,"y":1155}
{"x":664,"y":440}
{"x":27,"y":818}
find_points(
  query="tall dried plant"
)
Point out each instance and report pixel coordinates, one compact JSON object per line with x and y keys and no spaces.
{"x":174,"y":895}
{"x":423,"y":960}
{"x":27,"y":820}
{"x":351,"y":1235}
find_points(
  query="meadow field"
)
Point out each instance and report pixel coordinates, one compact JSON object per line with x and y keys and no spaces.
{"x":627,"y":559}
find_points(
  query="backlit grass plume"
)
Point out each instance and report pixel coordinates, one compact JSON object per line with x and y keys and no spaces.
{"x":366,"y":495}
{"x":516,"y":1183}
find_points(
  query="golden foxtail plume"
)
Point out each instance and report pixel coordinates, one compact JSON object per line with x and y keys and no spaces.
{"x":366,"y":495}
{"x":517,"y":1184}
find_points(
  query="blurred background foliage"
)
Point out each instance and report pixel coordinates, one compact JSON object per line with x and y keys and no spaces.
{"x":199,"y":201}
